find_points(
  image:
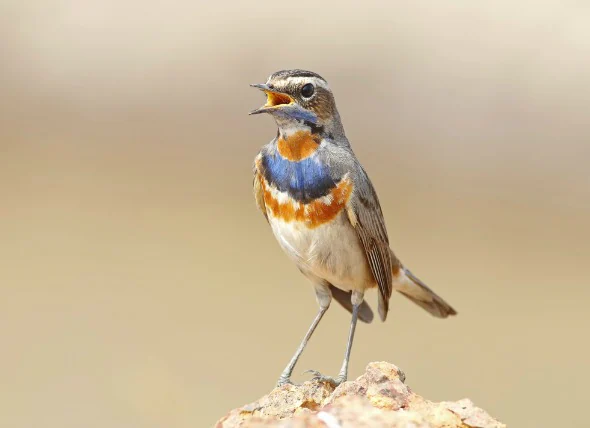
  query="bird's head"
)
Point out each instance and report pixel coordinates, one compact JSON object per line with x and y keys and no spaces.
{"x":300,"y":99}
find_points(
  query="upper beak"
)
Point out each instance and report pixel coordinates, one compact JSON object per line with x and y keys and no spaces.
{"x":274,"y":98}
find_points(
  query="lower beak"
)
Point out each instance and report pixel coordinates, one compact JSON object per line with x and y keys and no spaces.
{"x":274,"y":99}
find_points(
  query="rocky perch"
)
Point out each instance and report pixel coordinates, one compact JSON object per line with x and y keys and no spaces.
{"x":378,"y":398}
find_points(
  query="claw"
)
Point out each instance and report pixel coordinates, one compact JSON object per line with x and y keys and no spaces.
{"x":318,"y":377}
{"x":285,"y":381}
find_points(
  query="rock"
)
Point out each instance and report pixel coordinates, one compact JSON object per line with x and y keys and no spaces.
{"x":378,"y":398}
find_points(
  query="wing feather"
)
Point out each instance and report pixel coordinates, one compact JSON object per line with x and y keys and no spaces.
{"x":364,"y":213}
{"x":258,"y":188}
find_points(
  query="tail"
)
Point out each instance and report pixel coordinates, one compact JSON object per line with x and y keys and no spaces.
{"x":410,"y":286}
{"x":343,"y":297}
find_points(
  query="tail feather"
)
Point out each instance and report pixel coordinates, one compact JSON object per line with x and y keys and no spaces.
{"x":343,"y":297}
{"x":418,"y":292}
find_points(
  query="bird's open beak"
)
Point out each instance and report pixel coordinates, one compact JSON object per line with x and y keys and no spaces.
{"x":274,"y":99}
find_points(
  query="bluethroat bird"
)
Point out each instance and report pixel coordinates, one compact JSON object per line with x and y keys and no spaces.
{"x":324,"y":211}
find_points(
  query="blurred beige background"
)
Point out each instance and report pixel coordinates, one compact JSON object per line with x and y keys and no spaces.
{"x":141,"y":287}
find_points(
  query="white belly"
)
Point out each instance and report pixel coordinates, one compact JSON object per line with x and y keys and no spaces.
{"x":331,"y":251}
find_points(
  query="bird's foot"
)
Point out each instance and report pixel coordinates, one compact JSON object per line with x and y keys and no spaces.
{"x":285,"y":380}
{"x":334,"y":381}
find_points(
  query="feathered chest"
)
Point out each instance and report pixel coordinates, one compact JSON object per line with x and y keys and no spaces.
{"x":297,"y":184}
{"x":303,"y":181}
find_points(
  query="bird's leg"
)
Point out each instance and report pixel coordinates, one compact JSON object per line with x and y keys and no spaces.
{"x":324,"y":298}
{"x":357,"y":299}
{"x":286,"y":375}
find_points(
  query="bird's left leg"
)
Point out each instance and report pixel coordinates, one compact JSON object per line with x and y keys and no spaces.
{"x":357,"y":299}
{"x":324,"y":297}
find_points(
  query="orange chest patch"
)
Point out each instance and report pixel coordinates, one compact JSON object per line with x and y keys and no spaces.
{"x":298,"y":146}
{"x":314,"y":213}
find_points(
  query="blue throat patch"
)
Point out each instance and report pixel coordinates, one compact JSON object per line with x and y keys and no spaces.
{"x":303,"y":180}
{"x":297,"y":113}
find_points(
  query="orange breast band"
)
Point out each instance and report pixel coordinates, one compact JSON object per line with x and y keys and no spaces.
{"x":314,"y":213}
{"x":298,"y":146}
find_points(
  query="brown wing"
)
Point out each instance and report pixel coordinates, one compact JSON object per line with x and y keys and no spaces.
{"x":258,"y":189}
{"x":364,"y":213}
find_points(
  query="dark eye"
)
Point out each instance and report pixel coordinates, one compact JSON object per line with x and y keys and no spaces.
{"x":307,"y":90}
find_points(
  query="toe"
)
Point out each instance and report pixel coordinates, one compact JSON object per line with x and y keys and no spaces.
{"x":330,"y":380}
{"x":318,"y":377}
{"x":284,"y":381}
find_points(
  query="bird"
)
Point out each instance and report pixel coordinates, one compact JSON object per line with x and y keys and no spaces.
{"x":324,"y":212}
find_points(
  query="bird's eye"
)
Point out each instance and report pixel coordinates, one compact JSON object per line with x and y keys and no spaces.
{"x":307,"y":90}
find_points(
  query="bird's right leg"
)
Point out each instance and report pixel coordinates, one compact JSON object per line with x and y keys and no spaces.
{"x":356,"y":300}
{"x":324,"y":297}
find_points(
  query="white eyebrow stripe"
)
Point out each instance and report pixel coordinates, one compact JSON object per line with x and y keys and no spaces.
{"x":302,"y":80}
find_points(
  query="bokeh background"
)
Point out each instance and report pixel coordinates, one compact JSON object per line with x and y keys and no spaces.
{"x":142,"y":288}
